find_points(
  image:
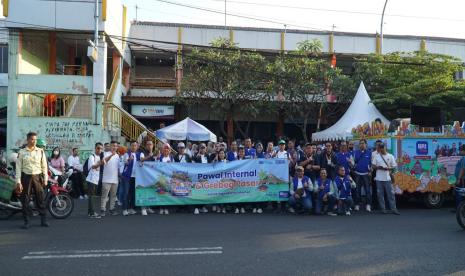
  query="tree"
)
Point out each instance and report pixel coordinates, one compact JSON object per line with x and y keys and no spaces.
{"x":398,"y":80}
{"x":226,"y":78}
{"x":303,"y":80}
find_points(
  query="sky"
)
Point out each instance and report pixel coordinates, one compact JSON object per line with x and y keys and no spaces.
{"x":443,"y":18}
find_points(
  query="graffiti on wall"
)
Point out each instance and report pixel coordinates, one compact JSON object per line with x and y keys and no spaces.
{"x":68,"y":134}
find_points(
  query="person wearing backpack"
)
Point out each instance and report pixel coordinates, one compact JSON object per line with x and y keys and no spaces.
{"x":92,"y":170}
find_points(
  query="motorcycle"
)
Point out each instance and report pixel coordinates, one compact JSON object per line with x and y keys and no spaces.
{"x":63,"y":178}
{"x":460,"y":212}
{"x":57,"y":200}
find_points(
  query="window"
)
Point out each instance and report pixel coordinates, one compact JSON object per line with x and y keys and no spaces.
{"x":54,"y":105}
{"x":3,"y":58}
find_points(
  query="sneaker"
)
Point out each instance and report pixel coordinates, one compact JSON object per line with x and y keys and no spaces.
{"x":102,"y":213}
{"x":242,"y":211}
{"x":94,"y":216}
{"x":254,"y":210}
{"x":332,"y":214}
{"x":150,"y":211}
{"x":119,"y":203}
{"x":224,"y":210}
{"x":368,"y":208}
{"x":291,"y":210}
{"x":348,"y":213}
{"x":395,"y":212}
{"x":237,"y":211}
{"x":132,"y":212}
{"x":214,"y":208}
{"x":357,"y":208}
{"x":144,"y":212}
{"x":196,"y":211}
{"x":161,"y":212}
{"x":167,"y":212}
{"x":259,"y":210}
{"x":114,"y":212}
{"x":204,"y":209}
{"x":218,"y":210}
{"x":125,"y":213}
{"x":86,"y":197}
{"x":81,"y":197}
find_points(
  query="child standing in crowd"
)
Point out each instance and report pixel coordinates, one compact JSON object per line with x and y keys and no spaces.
{"x":344,"y":184}
{"x":326,"y":191}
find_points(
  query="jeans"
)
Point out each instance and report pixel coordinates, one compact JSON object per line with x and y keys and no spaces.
{"x":305,"y":201}
{"x":132,"y":193}
{"x":363,"y":182}
{"x":124,"y":192}
{"x":108,"y":190}
{"x":331,"y":200}
{"x":385,"y":188}
{"x":344,"y":205}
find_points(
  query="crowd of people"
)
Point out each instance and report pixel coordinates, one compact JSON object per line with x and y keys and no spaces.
{"x":331,"y":178}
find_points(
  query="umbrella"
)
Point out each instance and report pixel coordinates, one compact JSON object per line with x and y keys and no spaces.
{"x":186,"y":129}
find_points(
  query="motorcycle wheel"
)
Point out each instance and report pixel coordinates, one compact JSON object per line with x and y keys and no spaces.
{"x":460,"y":214}
{"x":60,"y":206}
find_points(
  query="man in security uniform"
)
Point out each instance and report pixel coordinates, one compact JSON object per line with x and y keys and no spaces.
{"x":31,"y":177}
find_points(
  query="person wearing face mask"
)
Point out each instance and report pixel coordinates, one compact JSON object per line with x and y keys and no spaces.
{"x":56,"y":161}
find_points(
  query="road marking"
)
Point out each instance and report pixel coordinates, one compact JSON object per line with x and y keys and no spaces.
{"x":138,"y":252}
{"x":125,"y":250}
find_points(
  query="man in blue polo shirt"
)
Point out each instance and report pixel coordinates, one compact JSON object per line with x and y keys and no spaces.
{"x":250,"y":152}
{"x":344,"y":158}
{"x":362,"y":165}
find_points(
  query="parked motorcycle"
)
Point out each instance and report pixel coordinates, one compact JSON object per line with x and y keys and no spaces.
{"x":460,"y":212}
{"x":58,"y":201}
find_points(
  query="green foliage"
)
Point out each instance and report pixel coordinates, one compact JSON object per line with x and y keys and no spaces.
{"x":398,"y":80}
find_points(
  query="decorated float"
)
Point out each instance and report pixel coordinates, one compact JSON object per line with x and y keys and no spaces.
{"x":426,"y":159}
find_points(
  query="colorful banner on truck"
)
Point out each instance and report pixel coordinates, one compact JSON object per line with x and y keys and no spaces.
{"x":254,"y":180}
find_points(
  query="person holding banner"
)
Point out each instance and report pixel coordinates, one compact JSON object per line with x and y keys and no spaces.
{"x":239,"y":208}
{"x":220,"y":158}
{"x":269,"y":150}
{"x":300,"y":192}
{"x":232,"y":154}
{"x":182,"y":157}
{"x":165,"y":157}
{"x":326,"y":191}
{"x":202,"y":158}
{"x":250,"y":152}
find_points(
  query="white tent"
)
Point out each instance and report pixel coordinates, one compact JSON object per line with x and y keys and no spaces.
{"x":360,"y":111}
{"x":186,"y":129}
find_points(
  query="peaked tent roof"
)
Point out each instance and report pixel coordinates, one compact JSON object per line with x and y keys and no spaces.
{"x":360,"y":111}
{"x":186,"y":129}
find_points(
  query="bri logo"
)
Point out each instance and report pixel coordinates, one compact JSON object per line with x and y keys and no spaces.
{"x":422,"y":148}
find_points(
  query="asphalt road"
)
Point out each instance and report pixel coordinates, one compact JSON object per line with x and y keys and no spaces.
{"x":419,"y":242}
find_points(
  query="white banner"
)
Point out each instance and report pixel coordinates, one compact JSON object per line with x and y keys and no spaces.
{"x":152,"y":110}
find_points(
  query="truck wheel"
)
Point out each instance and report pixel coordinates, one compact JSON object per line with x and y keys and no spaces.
{"x":433,"y":200}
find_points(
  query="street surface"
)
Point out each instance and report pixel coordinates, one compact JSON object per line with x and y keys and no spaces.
{"x":419,"y":242}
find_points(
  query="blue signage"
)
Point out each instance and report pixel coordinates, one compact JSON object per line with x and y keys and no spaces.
{"x":422,"y":148}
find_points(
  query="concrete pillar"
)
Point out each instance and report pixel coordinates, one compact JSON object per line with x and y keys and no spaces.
{"x":99,"y":82}
{"x":116,"y":61}
{"x":52,"y":55}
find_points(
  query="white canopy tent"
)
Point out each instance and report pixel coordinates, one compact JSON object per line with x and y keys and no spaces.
{"x":186,"y":129}
{"x":360,"y":111}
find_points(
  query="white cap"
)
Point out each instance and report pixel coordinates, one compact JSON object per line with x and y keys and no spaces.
{"x":181,"y":145}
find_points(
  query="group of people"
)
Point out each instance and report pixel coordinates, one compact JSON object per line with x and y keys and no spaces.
{"x":322,"y":180}
{"x":330,"y":182}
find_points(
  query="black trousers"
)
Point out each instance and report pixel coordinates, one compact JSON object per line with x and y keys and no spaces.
{"x":132,"y":193}
{"x":32,"y":185}
{"x":78,"y":186}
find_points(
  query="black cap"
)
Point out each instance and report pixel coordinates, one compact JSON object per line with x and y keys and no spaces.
{"x":381,"y":145}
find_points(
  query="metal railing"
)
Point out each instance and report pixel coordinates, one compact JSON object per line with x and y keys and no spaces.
{"x":114,"y":85}
{"x":54,"y":105}
{"x":154,"y":83}
{"x":115,"y":117}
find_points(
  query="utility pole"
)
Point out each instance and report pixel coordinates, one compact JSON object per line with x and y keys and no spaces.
{"x":382,"y":23}
{"x":225,"y":14}
{"x":136,"y":11}
{"x":96,"y":24}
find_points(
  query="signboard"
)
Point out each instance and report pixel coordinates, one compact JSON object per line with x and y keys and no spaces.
{"x":152,"y":110}
{"x":255,"y":180}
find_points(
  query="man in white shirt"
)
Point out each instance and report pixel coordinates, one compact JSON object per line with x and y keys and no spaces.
{"x":281,"y":153}
{"x":94,"y":168}
{"x":76,"y":177}
{"x":385,"y":163}
{"x":110,"y":179}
